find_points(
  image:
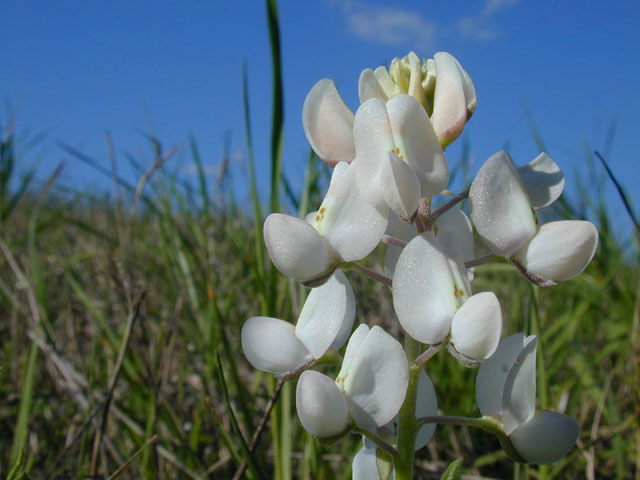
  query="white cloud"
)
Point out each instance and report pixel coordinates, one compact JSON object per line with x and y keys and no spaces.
{"x":399,"y":26}
{"x":388,"y":25}
{"x":479,"y":27}
{"x":476,"y":29}
{"x":493,"y":6}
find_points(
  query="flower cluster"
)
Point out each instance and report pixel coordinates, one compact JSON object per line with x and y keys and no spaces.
{"x":389,"y":166}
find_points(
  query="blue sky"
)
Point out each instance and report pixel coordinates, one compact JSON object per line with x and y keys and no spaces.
{"x":77,"y":69}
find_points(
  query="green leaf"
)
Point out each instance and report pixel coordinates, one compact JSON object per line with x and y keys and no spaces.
{"x":17,"y":472}
{"x":453,"y":471}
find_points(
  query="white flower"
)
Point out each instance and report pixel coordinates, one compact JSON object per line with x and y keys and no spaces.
{"x":399,"y":158}
{"x":500,"y":201}
{"x":275,"y":346}
{"x":506,"y":386}
{"x":372,"y":381}
{"x":346,"y":228}
{"x":432,"y":298}
{"x":440,"y":85}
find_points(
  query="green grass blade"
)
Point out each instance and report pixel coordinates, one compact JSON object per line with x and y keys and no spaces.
{"x":26,"y":400}
{"x":621,"y":192}
{"x":202,"y":178}
{"x":259,"y":265}
{"x":253,"y":468}
{"x":277,"y":118}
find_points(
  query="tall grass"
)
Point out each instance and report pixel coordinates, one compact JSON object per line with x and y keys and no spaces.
{"x":120,"y":351}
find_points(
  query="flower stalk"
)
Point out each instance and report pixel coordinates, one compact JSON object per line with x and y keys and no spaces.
{"x":408,"y":426}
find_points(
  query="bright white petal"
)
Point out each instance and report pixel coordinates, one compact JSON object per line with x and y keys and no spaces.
{"x":369,"y":87}
{"x":328,"y":123}
{"x":384,"y":79}
{"x":561,"y":250}
{"x":415,"y":80}
{"x":321,"y":407}
{"x":426,"y":406}
{"x":365,"y":465}
{"x":546,"y":437}
{"x":375,"y":382}
{"x":543,"y":180}
{"x":271,"y":345}
{"x":493,"y":373}
{"x":469,"y":90}
{"x":449,"y":101}
{"x":428,"y":288}
{"x":296,"y":249}
{"x":417,"y":143}
{"x":400,"y":187}
{"x":352,"y":226}
{"x":373,"y":140}
{"x":311,"y":217}
{"x":454,"y":232}
{"x":476,"y":327}
{"x":401,"y":230}
{"x":500,"y":208}
{"x":327,"y":315}
{"x":355,"y":342}
{"x":519,"y":395}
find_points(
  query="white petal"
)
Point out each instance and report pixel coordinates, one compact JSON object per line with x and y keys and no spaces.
{"x":426,"y":406}
{"x":296,"y":249}
{"x":561,"y":250}
{"x":543,"y":180}
{"x":417,"y":143}
{"x":311,"y":217}
{"x":384,"y":79}
{"x":373,"y":140}
{"x":469,"y":90}
{"x":400,"y":187}
{"x":365,"y":465}
{"x":519,"y":395}
{"x":321,"y":407}
{"x":401,"y":230}
{"x":415,"y":79}
{"x":455,"y":233}
{"x":375,"y":381}
{"x":545,"y":438}
{"x":500,"y":208}
{"x":328,"y":123}
{"x":476,"y":327}
{"x":449,"y":101}
{"x":271,"y":345}
{"x":428,"y":288}
{"x":351,"y":225}
{"x":351,"y":352}
{"x":327,"y":315}
{"x":369,"y":87}
{"x":493,"y":373}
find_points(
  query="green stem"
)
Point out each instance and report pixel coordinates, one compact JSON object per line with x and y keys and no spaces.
{"x":407,"y":425}
{"x":378,"y":441}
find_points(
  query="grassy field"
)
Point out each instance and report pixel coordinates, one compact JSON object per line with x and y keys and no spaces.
{"x":121,"y":315}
